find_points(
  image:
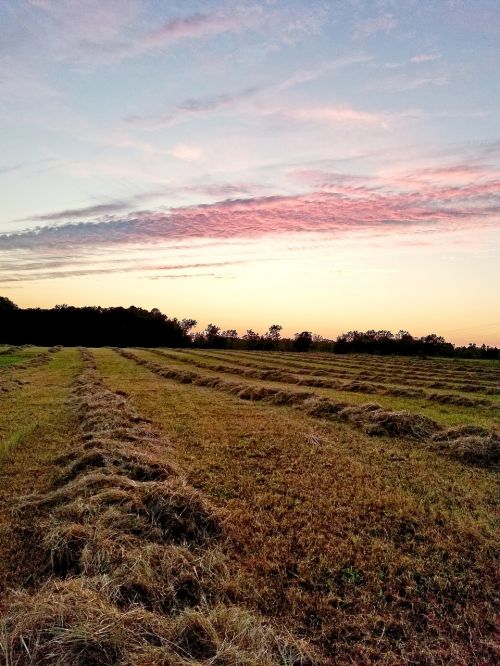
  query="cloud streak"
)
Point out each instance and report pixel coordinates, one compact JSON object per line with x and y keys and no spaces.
{"x":341,"y":205}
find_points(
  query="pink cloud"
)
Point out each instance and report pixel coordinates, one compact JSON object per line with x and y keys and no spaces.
{"x":198,"y":26}
{"x":343,"y":206}
{"x":329,"y":114}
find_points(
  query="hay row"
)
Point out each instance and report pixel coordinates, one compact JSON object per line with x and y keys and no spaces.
{"x":459,"y":400}
{"x":121,"y":561}
{"x":416,"y":369}
{"x":403,"y":379}
{"x":353,"y":386}
{"x":372,"y":418}
{"x":10,"y":384}
{"x":432,"y":366}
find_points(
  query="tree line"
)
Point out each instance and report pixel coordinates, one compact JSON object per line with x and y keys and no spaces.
{"x":95,"y":326}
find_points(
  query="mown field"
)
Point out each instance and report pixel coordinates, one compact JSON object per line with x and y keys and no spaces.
{"x":186,"y":507}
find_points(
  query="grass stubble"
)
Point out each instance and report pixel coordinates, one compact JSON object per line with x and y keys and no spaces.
{"x":377,"y":549}
{"x":362,"y":534}
{"x":120,"y":560}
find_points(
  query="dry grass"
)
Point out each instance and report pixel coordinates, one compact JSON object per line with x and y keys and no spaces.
{"x":131,"y":556}
{"x":375,"y":549}
{"x":470,"y":444}
{"x":72,"y":623}
{"x":371,"y":418}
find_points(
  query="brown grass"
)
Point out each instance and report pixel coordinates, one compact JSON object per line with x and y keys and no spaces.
{"x":374,"y":548}
{"x":471,"y":444}
{"x":72,"y":623}
{"x":371,"y":418}
{"x":131,"y":555}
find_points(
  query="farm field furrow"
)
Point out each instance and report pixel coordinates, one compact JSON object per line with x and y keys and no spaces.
{"x":371,"y":549}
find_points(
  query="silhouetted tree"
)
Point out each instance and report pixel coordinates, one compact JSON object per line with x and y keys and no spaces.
{"x":302,"y":341}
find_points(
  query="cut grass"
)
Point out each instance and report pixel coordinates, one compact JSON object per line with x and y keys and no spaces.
{"x":35,"y":424}
{"x":375,"y":550}
{"x":443,"y":415}
{"x":129,"y":553}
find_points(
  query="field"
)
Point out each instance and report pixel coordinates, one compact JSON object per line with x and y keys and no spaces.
{"x":186,"y":507}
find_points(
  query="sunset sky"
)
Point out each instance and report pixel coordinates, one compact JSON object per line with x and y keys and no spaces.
{"x":326,"y":165}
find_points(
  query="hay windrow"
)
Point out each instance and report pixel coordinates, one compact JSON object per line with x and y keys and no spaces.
{"x":461,"y":400}
{"x":129,"y":565}
{"x":372,"y":418}
{"x":9,"y":384}
{"x":470,"y":444}
{"x":398,"y":424}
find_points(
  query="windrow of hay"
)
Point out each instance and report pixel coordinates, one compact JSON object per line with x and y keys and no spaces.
{"x":8,"y":383}
{"x":461,"y":400}
{"x":377,"y":384}
{"x":472,"y":444}
{"x":372,"y":418}
{"x":400,"y":424}
{"x":120,"y":561}
{"x":365,"y":367}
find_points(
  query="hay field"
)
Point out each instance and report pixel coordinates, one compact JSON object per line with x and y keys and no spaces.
{"x":187,"y":507}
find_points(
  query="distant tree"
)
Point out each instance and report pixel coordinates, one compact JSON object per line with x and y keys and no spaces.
{"x":213,"y":336}
{"x":274,"y":332}
{"x":252,"y":339}
{"x":186,"y":325}
{"x":302,"y":341}
{"x":6,"y":305}
{"x":231,"y":334}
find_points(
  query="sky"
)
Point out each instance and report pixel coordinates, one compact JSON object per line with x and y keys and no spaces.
{"x":326,"y":165}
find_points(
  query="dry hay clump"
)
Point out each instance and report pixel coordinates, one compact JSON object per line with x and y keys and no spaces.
{"x":12,"y":349}
{"x":12,"y":384}
{"x":35,"y":362}
{"x":479,"y":388}
{"x":471,"y":444}
{"x":323,"y":407}
{"x":71,"y":623}
{"x":131,"y":556}
{"x":360,"y":387}
{"x":375,"y":420}
{"x":461,"y":400}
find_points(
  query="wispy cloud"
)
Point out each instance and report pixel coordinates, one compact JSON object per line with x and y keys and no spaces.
{"x":328,"y":114}
{"x":425,"y":57}
{"x":192,"y":107}
{"x":128,"y":203}
{"x":198,"y":26}
{"x":404,"y":82}
{"x":49,"y":271}
{"x":311,"y":74}
{"x":384,"y":23}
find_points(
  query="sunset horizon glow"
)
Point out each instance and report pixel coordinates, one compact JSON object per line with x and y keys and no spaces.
{"x":327,"y":166}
